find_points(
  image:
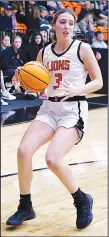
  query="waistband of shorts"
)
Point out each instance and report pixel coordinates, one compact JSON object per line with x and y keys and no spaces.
{"x":75,"y":98}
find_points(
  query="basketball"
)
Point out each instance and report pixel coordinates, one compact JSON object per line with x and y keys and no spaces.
{"x":34,"y":77}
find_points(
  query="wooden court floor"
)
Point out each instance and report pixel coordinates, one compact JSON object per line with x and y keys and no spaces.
{"x":56,"y":214}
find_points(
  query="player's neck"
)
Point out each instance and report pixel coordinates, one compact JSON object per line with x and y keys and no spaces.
{"x":62,"y":46}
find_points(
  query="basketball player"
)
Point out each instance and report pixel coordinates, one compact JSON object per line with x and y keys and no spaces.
{"x":62,"y":118}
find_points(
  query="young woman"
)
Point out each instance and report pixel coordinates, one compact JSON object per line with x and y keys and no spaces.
{"x":61,"y":119}
{"x":5,"y":42}
{"x":12,"y":57}
{"x":36,"y":43}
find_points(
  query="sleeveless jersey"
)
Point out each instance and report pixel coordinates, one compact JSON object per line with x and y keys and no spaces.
{"x":66,"y":66}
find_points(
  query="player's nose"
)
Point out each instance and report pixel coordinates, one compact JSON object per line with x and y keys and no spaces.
{"x":66,"y":26}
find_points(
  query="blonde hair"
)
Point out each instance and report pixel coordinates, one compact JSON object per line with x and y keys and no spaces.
{"x":15,"y":37}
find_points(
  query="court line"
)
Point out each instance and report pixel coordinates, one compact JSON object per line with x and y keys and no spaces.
{"x":41,"y":169}
{"x":97,"y":103}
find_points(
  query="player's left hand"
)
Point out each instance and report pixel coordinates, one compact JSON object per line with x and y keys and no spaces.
{"x":68,"y":90}
{"x":98,"y":56}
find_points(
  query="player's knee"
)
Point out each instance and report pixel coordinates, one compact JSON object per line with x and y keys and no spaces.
{"x":22,"y":151}
{"x":52,"y":161}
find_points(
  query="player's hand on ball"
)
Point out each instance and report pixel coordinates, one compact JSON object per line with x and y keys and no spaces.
{"x":68,"y":90}
{"x":19,"y":68}
{"x":15,"y":81}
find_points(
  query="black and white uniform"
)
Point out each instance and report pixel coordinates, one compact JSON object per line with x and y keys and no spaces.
{"x":67,"y":67}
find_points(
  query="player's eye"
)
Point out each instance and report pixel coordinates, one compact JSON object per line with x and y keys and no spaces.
{"x":62,"y":22}
{"x":71,"y":23}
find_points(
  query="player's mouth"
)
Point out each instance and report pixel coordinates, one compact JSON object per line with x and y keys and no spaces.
{"x":66,"y":33}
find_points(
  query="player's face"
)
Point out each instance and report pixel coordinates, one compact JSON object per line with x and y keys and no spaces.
{"x":64,"y":26}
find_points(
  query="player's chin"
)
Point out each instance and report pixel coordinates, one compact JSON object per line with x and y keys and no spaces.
{"x":66,"y":36}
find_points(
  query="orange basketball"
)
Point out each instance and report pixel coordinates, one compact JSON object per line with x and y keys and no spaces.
{"x":34,"y":77}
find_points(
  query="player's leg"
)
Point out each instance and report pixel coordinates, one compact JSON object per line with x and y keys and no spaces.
{"x":63,"y":141}
{"x":36,"y":135}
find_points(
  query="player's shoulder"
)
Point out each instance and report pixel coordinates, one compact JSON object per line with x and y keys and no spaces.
{"x":85,"y":46}
{"x":43,"y":51}
{"x":86,"y":51}
{"x":47,"y":46}
{"x":81,"y":44}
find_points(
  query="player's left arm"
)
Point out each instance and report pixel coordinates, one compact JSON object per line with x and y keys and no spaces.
{"x":93,"y":69}
{"x":91,"y":65}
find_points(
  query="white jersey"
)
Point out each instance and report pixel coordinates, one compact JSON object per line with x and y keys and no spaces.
{"x":66,"y":66}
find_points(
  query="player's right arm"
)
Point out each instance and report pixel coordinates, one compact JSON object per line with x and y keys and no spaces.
{"x":39,"y":56}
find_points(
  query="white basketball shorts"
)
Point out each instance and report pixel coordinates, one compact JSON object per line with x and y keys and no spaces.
{"x":66,"y":114}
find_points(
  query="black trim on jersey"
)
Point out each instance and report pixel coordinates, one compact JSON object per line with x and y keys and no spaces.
{"x":58,"y":55}
{"x":80,"y":123}
{"x":78,"y":52}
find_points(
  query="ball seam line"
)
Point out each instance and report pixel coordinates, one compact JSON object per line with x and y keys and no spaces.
{"x":34,"y":76}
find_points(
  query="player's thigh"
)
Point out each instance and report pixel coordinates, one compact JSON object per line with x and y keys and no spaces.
{"x":62,"y":142}
{"x":37,"y":134}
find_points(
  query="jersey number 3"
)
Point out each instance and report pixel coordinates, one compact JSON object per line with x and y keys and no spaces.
{"x":58,"y":80}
